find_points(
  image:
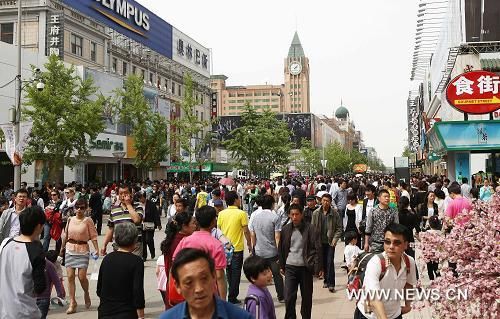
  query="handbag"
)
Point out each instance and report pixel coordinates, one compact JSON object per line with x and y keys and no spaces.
{"x":148,"y":226}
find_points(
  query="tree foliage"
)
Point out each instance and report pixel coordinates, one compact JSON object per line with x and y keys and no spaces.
{"x":64,"y":116}
{"x":262,"y":142}
{"x":148,"y":128}
{"x":188,"y":127}
{"x":309,"y":159}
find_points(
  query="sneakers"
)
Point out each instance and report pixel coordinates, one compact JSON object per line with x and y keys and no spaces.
{"x":325,"y":286}
{"x":281,"y":300}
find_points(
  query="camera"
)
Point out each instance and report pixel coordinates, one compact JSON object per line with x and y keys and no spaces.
{"x":40,"y":86}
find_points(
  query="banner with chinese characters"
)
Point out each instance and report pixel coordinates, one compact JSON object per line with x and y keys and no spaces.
{"x":475,"y":92}
{"x":15,"y":152}
{"x":55,"y":34}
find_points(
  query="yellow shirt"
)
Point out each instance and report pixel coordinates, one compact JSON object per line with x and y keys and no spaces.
{"x":231,"y":221}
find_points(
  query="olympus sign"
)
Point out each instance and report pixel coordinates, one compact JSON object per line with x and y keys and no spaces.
{"x":126,"y":10}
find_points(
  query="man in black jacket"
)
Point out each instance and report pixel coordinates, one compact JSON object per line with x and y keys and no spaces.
{"x":300,"y":258}
{"x":95,"y":204}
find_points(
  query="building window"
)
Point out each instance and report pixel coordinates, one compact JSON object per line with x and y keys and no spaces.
{"x":143,"y":74}
{"x":232,"y":94}
{"x":265,"y":94}
{"x":76,"y":44}
{"x":113,"y":64}
{"x":158,"y":82}
{"x":93,"y":51}
{"x":179,"y":90}
{"x":241,"y":95}
{"x":7,"y":32}
{"x":134,"y":69}
{"x":202,"y":116}
{"x":173,"y":87}
{"x":150,"y":77}
{"x":124,"y":68}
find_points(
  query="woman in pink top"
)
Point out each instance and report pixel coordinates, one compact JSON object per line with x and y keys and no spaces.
{"x":79,"y":230}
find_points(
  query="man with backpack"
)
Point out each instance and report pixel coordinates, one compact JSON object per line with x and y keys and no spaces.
{"x":389,"y":271}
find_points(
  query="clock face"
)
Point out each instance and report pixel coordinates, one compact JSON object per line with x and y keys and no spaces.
{"x":295,"y":68}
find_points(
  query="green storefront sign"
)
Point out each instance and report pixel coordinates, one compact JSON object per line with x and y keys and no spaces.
{"x":183,"y":167}
{"x":106,"y":145}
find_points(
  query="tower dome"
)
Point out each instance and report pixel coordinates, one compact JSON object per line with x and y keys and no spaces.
{"x":342,"y":113}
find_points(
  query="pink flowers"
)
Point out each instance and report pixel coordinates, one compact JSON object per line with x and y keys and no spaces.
{"x":474,"y":246}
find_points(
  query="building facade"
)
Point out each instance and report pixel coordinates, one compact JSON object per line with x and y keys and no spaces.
{"x":291,"y":97}
{"x":110,"y":44}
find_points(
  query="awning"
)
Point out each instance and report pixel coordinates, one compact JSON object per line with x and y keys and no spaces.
{"x":482,"y":135}
{"x":492,"y":65}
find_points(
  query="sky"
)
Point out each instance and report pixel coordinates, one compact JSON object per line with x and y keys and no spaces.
{"x":359,"y":52}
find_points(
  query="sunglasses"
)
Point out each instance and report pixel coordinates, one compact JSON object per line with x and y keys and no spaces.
{"x":53,"y":194}
{"x":80,"y":207}
{"x":396,"y":242}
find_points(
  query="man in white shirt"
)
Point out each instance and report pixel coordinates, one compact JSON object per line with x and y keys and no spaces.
{"x":400,"y":274}
{"x":465,"y":188}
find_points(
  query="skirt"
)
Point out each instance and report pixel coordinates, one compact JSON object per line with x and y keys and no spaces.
{"x":77,"y":261}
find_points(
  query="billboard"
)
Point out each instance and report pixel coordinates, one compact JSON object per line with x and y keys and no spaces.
{"x":475,"y":92}
{"x":298,"y":123}
{"x":482,"y":25}
{"x":190,"y":53}
{"x":130,"y":19}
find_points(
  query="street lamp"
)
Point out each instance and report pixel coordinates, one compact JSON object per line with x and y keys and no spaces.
{"x":119,"y":156}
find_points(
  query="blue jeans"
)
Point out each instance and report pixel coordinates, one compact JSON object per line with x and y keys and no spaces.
{"x":328,"y":264}
{"x":46,"y":236}
{"x":234,"y":276}
{"x":43,"y":305}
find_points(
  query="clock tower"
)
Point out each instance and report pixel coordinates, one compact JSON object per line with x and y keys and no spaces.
{"x":296,"y":99}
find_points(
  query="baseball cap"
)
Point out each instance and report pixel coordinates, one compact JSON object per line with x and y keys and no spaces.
{"x":310,"y":197}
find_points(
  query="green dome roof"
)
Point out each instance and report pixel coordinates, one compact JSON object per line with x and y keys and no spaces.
{"x":341,"y":113}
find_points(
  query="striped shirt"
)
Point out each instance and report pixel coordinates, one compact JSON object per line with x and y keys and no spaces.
{"x":119,"y":215}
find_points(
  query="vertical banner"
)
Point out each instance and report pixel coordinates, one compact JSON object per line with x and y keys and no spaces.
{"x":10,"y":148}
{"x":15,"y":152}
{"x":55,"y":34}
{"x":462,"y":166}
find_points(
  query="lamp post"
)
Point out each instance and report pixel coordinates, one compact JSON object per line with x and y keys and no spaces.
{"x":17,"y":115}
{"x":119,"y":156}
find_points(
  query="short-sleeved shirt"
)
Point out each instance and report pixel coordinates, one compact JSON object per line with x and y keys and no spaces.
{"x":203,"y":240}
{"x":202,"y":199}
{"x":119,"y":215}
{"x":265,"y":224}
{"x":391,"y":281}
{"x":457,"y":206}
{"x":231,"y":221}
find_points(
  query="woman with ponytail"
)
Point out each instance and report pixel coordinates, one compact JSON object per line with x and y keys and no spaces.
{"x":182,"y":225}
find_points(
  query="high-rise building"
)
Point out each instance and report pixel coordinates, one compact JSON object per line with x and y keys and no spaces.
{"x":291,"y":97}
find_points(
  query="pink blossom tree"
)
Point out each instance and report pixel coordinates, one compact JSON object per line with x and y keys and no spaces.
{"x":474,"y":246}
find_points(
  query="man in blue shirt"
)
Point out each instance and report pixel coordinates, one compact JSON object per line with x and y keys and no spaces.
{"x":194,"y":273}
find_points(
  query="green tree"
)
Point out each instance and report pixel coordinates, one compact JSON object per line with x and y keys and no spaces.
{"x":407,"y":152}
{"x":338,"y":159}
{"x":64,"y":116}
{"x":308,"y":160}
{"x":262,"y":142}
{"x":148,"y":128}
{"x":188,"y":127}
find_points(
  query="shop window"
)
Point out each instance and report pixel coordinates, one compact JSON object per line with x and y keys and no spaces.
{"x":93,"y":51}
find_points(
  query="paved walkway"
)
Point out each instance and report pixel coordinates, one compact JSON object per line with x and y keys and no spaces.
{"x":325,"y":304}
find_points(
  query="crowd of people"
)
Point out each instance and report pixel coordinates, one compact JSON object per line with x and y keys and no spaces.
{"x":290,"y":229}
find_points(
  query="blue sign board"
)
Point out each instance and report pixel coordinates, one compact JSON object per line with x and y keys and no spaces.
{"x":465,"y":136}
{"x":130,"y":19}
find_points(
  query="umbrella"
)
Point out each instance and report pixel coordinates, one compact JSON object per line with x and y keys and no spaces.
{"x":226,"y":181}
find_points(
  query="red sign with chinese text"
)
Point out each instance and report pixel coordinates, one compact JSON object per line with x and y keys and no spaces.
{"x":475,"y":92}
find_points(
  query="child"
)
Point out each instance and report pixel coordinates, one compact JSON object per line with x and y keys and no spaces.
{"x":351,"y":251}
{"x":22,"y":267}
{"x":52,"y":279}
{"x":432,"y":266}
{"x":258,"y":272}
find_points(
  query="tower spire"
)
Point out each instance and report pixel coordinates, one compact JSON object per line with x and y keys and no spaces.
{"x":296,"y":49}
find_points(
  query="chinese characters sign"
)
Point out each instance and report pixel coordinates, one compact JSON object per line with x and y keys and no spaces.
{"x":475,"y":92}
{"x":55,"y":34}
{"x":190,"y":53}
